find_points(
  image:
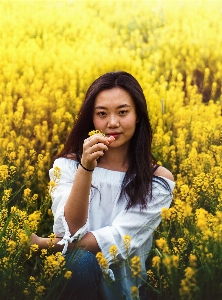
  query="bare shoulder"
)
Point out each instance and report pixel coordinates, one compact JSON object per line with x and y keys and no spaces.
{"x":71,"y":156}
{"x":161,"y":171}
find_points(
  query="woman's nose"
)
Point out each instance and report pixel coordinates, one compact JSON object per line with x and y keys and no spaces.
{"x":113,"y":122}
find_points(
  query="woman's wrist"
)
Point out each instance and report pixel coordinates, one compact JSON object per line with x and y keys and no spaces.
{"x":86,"y":169}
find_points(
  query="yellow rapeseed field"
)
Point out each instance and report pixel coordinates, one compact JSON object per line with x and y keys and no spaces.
{"x":51,"y":51}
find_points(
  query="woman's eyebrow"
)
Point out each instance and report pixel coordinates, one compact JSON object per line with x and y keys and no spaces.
{"x":100,"y":107}
{"x":123,"y":105}
{"x":120,"y":106}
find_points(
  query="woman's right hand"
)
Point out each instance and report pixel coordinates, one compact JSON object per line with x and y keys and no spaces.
{"x":35,"y":239}
{"x":93,"y":148}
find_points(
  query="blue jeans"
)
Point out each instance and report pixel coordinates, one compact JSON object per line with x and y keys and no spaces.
{"x":86,"y":277}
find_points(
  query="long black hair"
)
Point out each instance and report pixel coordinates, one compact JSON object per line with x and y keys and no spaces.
{"x":137,"y":183}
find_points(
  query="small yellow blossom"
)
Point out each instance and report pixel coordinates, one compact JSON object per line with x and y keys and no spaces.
{"x":12,"y":170}
{"x":151,"y":278}
{"x":11,"y":247}
{"x":43,"y":252}
{"x":23,"y":237}
{"x":103,"y":262}
{"x":27,"y":192}
{"x":68,"y":274}
{"x":33,"y":248}
{"x":56,"y":175}
{"x":113,"y":251}
{"x":6,"y":196}
{"x":161,"y":243}
{"x":32,"y":153}
{"x":51,"y":242}
{"x":40,"y":289}
{"x":156,"y":261}
{"x":54,"y":265}
{"x":40,"y":157}
{"x":135,"y":266}
{"x":188,"y":284}
{"x":175,"y":261}
{"x":165,"y":213}
{"x":4,"y":174}
{"x":192,"y":260}
{"x":126,"y":241}
{"x":26,"y":291}
{"x":95,"y":132}
{"x":32,"y":278}
{"x":134,"y":292}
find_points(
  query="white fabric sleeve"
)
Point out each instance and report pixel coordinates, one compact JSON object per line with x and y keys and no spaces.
{"x":138,"y":224}
{"x":59,"y":197}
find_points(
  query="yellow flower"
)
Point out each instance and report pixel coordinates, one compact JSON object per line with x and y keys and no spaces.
{"x":134,"y":292}
{"x":151,"y":278}
{"x":126,"y":241}
{"x":51,"y":242}
{"x":43,"y":252}
{"x":32,"y":153}
{"x":26,"y":291}
{"x":12,"y":170}
{"x":56,"y":175}
{"x":34,"y":197}
{"x":54,"y":265}
{"x":95,"y":132}
{"x":103,"y":262}
{"x":27,"y":192}
{"x":156,"y":261}
{"x":40,"y":289}
{"x":188,"y":284}
{"x":113,"y":251}
{"x":68,"y":274}
{"x":192,"y":260}
{"x":33,"y":248}
{"x":165,"y":213}
{"x":10,"y":147}
{"x":175,"y":261}
{"x":161,"y":243}
{"x":23,"y":237}
{"x":6,"y":196}
{"x":33,"y":220}
{"x":11,"y":156}
{"x":135,"y":266}
{"x":11,"y":247}
{"x":3,"y":173}
{"x":32,"y":278}
{"x":40,"y":157}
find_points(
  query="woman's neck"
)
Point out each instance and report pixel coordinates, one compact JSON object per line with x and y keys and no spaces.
{"x":114,"y":159}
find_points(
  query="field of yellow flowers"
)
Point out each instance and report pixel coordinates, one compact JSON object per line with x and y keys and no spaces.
{"x":51,"y":50}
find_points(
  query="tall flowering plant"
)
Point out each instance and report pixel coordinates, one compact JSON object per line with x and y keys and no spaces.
{"x":25,"y":273}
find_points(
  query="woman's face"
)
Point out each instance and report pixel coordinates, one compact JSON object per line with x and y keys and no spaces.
{"x":115,"y":114}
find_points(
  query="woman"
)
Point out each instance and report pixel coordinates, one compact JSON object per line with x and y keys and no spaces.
{"x":110,"y":186}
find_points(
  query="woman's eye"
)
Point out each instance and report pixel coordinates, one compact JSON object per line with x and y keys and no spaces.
{"x":101,"y":113}
{"x":122,"y":112}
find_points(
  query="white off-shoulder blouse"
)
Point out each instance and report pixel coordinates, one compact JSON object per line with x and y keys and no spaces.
{"x":109,"y":221}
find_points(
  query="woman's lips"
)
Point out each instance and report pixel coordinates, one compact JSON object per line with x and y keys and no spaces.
{"x":114,"y":134}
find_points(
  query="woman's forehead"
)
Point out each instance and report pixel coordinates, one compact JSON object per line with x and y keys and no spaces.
{"x":117,"y":97}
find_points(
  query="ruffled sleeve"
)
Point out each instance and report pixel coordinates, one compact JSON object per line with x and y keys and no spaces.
{"x":138,"y":224}
{"x":59,"y":194}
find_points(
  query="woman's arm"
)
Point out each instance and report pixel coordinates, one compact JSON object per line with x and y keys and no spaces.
{"x":88,"y":242}
{"x":76,"y":207}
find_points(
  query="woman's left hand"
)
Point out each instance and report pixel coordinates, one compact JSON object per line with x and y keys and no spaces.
{"x":93,"y":148}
